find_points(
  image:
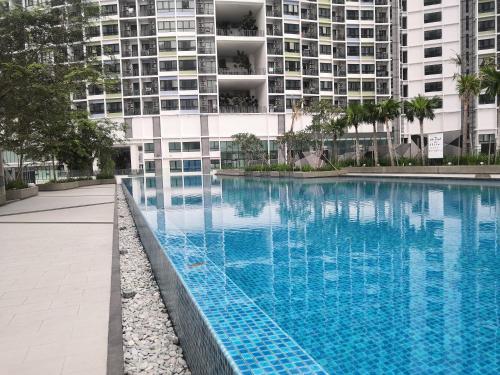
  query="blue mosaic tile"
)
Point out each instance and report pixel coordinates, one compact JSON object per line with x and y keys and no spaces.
{"x":351,"y":277}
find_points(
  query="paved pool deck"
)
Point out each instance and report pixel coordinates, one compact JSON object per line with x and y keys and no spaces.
{"x":56,"y":260}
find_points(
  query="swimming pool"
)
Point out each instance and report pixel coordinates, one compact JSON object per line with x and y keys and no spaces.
{"x":337,"y":276}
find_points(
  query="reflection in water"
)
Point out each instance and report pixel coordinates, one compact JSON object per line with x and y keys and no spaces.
{"x":374,"y":277}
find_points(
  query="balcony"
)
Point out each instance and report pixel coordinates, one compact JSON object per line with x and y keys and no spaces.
{"x":205,"y":8}
{"x":242,"y":71}
{"x":239,"y":32}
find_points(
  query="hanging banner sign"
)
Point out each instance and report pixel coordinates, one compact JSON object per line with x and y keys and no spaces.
{"x":435,"y":146}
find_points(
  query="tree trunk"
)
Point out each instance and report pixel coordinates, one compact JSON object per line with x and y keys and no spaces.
{"x":356,"y":144}
{"x":389,"y":142}
{"x":422,"y":143}
{"x":2,"y":180}
{"x":463,"y":148}
{"x":54,"y":167}
{"x":375,"y":144}
{"x":20,"y":166}
{"x":335,"y":149}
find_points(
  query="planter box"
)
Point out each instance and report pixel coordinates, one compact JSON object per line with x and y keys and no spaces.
{"x":16,"y":194}
{"x":452,"y":169}
{"x":75,"y":184}
{"x":275,"y":174}
{"x":57,"y":186}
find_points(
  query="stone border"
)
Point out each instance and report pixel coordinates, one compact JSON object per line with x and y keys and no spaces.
{"x":201,"y":350}
{"x":276,"y":174}
{"x":17,"y":194}
{"x":115,"y":330}
{"x":57,"y":186}
{"x":441,"y":169}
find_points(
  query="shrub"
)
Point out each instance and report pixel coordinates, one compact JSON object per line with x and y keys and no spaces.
{"x":16,"y":184}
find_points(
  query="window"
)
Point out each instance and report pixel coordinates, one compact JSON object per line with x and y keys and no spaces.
{"x":187,"y":65}
{"x":168,"y":66}
{"x":149,"y":147}
{"x":367,"y":15}
{"x":433,"y":34}
{"x":192,"y":165}
{"x":214,"y":164}
{"x":189,"y":104}
{"x":169,"y":105}
{"x":326,"y":86}
{"x":431,"y":2}
{"x":110,"y":29}
{"x":291,"y":9}
{"x":184,"y":26}
{"x":166,"y":5}
{"x":324,"y":12}
{"x":433,"y":52}
{"x":175,"y":165}
{"x":433,"y":86}
{"x":486,"y":44}
{"x":190,"y":146}
{"x":149,"y":166}
{"x":352,"y":51}
{"x":325,"y":49}
{"x":96,"y":108}
{"x":174,"y":146}
{"x":432,"y":17}
{"x":292,"y":47}
{"x":114,"y":107}
{"x":188,"y":84}
{"x":166,"y":45}
{"x":486,"y":25}
{"x":292,"y":84}
{"x":292,"y":66}
{"x":108,"y":10}
{"x":325,"y":67}
{"x":291,"y":28}
{"x":353,"y":69}
{"x":166,"y":26}
{"x":187,"y":45}
{"x":168,"y":85}
{"x":111,"y":49}
{"x":93,"y":31}
{"x":433,"y":69}
{"x":185,"y":5}
{"x":368,"y":86}
{"x":214,"y":145}
{"x":368,"y":68}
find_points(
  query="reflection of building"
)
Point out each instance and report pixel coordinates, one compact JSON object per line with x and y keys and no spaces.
{"x":385,"y":268}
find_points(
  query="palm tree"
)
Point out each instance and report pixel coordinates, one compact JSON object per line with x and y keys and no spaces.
{"x":337,"y":128}
{"x":389,"y":110}
{"x":371,"y":115}
{"x":354,"y":116}
{"x":421,"y":108}
{"x":468,"y":87}
{"x":490,"y":81}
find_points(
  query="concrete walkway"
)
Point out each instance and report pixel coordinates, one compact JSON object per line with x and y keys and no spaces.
{"x":55,"y":281}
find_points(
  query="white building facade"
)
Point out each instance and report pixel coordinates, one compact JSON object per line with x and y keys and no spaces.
{"x":191,"y":73}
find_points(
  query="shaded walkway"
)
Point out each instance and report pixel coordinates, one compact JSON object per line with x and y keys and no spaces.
{"x":55,"y":280}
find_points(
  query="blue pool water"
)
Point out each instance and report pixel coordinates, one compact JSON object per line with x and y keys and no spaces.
{"x":365,"y":277}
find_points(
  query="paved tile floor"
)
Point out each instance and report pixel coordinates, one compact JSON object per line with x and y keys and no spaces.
{"x":55,"y":271}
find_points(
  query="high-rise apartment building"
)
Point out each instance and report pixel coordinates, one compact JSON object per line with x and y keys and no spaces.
{"x":194,"y":72}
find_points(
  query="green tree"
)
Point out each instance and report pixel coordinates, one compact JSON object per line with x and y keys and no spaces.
{"x":251,"y":147}
{"x":371,"y":115}
{"x":490,"y":82}
{"x":389,"y":110}
{"x":338,"y":126}
{"x":41,"y":64}
{"x":354,"y":117}
{"x":323,"y":112}
{"x":468,"y":87}
{"x":421,"y":108}
{"x":87,"y":140}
